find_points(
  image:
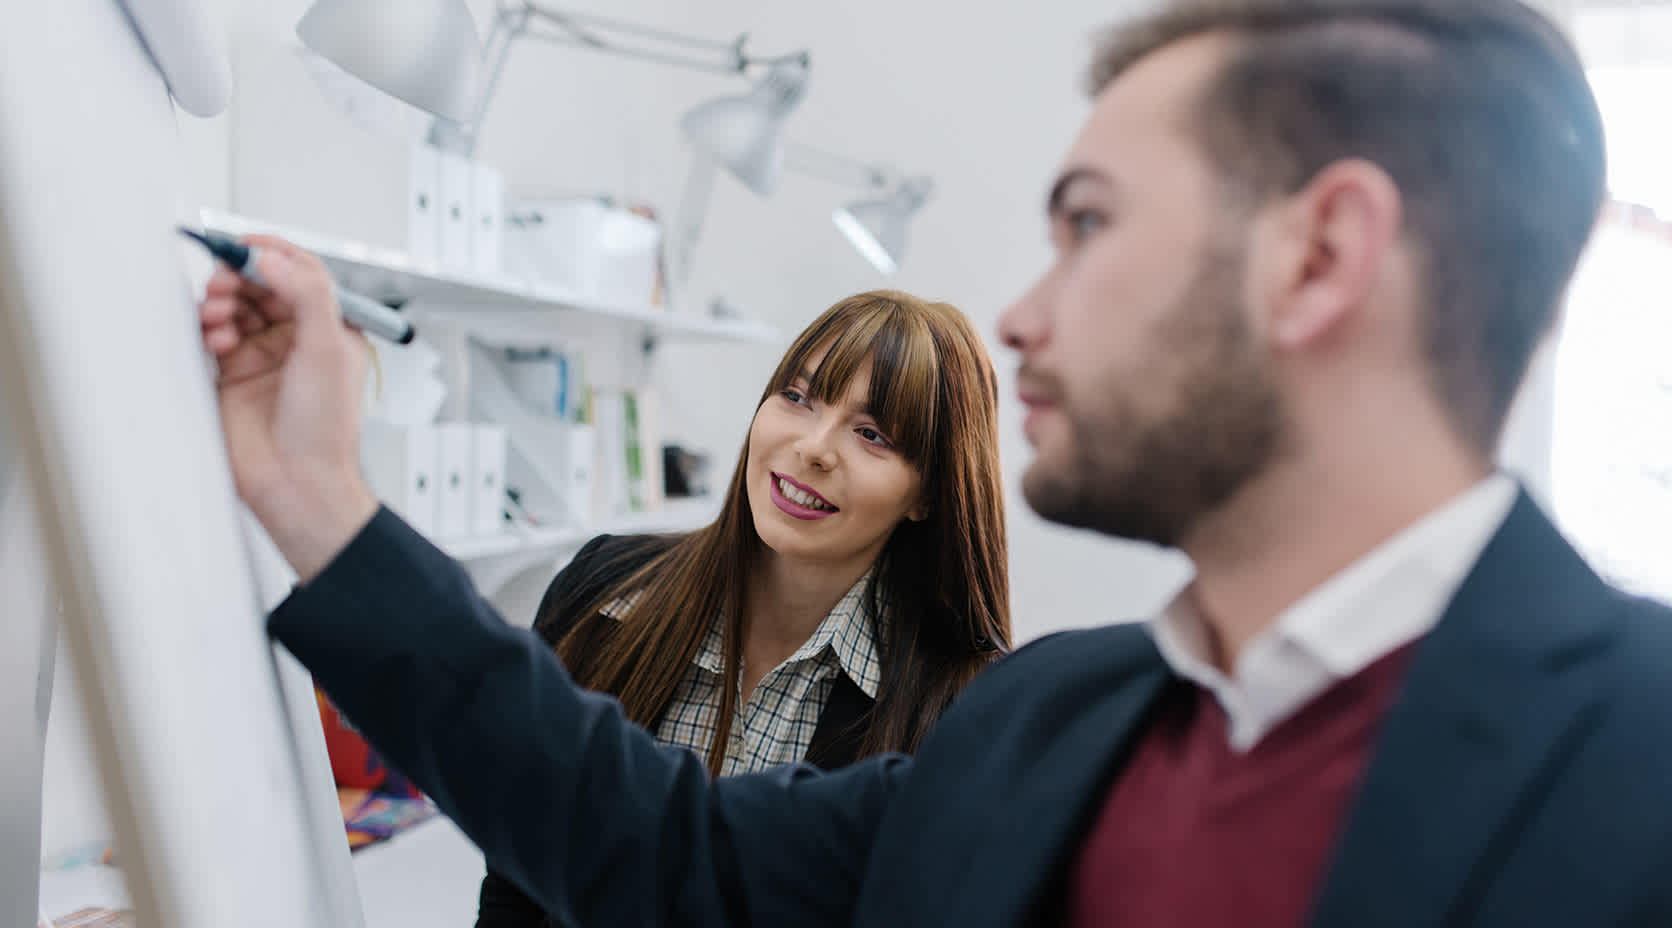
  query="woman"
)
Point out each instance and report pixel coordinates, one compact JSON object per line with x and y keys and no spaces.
{"x":852,"y":585}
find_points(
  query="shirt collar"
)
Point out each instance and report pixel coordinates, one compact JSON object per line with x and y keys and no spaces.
{"x":846,"y":633}
{"x":1383,"y":601}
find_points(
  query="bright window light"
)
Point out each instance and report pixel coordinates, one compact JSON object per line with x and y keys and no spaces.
{"x":1611,"y":455}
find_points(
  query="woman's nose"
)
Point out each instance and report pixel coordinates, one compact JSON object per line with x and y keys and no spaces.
{"x":817,"y":445}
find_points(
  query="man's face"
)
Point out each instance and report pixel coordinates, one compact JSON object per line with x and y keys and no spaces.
{"x":1149,"y":399}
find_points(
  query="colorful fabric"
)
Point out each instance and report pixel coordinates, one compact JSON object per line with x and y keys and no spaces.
{"x":371,"y":817}
{"x":354,"y":763}
{"x":96,"y":917}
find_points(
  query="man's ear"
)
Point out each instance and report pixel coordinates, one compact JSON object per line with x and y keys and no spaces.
{"x":1334,"y":239}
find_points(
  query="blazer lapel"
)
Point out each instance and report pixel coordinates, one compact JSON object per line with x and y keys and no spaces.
{"x":984,"y":829}
{"x":1052,"y":796}
{"x":1490,"y":704}
{"x":841,"y":727}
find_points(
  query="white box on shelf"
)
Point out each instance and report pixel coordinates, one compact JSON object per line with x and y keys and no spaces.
{"x":456,"y":190}
{"x":587,"y":247}
{"x":455,"y":446}
{"x":423,"y":204}
{"x":400,"y":463}
{"x":487,"y":209}
{"x":487,"y":503}
{"x":575,"y":470}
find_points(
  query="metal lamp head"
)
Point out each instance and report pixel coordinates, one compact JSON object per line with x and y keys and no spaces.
{"x":745,"y":132}
{"x":877,"y":228}
{"x":425,"y":52}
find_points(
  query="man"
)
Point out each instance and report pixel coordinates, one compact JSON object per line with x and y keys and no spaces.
{"x":1305,"y":249}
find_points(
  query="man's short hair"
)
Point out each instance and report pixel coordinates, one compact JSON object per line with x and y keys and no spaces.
{"x":1478,"y":109}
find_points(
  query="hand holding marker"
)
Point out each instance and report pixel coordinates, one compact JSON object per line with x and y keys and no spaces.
{"x":365,"y":314}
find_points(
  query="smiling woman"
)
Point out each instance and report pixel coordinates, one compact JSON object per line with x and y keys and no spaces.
{"x":819,"y":454}
{"x":852,"y":585}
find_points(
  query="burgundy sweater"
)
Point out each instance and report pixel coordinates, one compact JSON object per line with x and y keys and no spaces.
{"x":1195,"y":835}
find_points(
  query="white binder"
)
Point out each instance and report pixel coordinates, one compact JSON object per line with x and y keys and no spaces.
{"x":487,"y":211}
{"x":456,"y":447}
{"x":487,"y":502}
{"x":423,"y":204}
{"x":400,"y":463}
{"x":457,"y":183}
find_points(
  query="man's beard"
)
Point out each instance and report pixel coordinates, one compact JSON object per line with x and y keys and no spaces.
{"x":1147,"y":477}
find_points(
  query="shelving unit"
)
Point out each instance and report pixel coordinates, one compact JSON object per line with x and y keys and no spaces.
{"x":495,"y":559}
{"x":447,"y":304}
{"x":676,"y":516}
{"x":486,"y":302}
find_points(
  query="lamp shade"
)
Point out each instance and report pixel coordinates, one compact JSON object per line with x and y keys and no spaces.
{"x":425,"y":52}
{"x":877,"y":228}
{"x":745,"y":133}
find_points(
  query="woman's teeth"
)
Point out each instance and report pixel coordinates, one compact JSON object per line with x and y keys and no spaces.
{"x":796,"y":495}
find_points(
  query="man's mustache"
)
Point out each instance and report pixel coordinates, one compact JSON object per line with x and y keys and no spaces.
{"x":1032,"y":383}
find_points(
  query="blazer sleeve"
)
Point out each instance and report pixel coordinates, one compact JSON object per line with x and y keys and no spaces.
{"x":502,"y":905}
{"x":599,"y":563}
{"x":620,"y":830}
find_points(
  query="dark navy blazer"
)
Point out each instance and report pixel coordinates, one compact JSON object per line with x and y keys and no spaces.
{"x":1523,"y":777}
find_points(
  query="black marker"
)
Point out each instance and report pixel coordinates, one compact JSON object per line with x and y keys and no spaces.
{"x":367,"y":315}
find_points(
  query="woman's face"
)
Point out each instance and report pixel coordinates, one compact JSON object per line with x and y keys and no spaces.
{"x":825,"y":482}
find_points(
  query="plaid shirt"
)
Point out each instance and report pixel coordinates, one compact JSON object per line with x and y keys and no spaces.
{"x":776,"y":725}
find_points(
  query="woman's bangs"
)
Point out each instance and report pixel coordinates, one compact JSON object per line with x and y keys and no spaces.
{"x":904,"y":377}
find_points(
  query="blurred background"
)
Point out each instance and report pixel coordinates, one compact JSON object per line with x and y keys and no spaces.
{"x":937,"y":128}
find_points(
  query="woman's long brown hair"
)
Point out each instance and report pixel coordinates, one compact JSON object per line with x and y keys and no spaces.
{"x":943,"y":580}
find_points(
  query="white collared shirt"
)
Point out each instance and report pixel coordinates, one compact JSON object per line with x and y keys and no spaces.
{"x":1380,"y":603}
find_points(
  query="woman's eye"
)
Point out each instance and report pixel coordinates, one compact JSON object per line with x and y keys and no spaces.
{"x":873,"y":436}
{"x":793,"y":395}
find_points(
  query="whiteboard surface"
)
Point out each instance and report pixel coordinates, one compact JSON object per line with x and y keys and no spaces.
{"x":220,"y":809}
{"x":188,"y":45}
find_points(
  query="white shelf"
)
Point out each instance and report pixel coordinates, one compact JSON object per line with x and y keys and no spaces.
{"x":676,"y":516}
{"x":497,"y":301}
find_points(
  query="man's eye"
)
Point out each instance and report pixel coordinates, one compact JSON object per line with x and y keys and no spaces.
{"x":1082,"y":223}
